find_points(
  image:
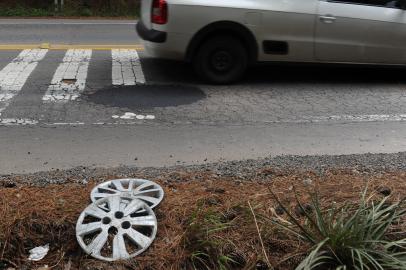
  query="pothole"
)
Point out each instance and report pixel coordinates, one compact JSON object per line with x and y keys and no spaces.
{"x":69,"y":81}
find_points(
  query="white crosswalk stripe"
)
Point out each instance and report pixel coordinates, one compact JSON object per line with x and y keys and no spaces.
{"x":16,"y":73}
{"x":127,"y":69}
{"x":69,"y":80}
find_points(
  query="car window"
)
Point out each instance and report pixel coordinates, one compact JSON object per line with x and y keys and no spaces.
{"x":379,"y":3}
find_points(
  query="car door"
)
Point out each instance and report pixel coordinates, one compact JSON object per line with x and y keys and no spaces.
{"x":385,"y":37}
{"x":340,"y":31}
{"x":363,"y":31}
{"x":288,"y":30}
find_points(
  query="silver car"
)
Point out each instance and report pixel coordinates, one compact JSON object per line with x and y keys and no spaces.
{"x":224,"y":37}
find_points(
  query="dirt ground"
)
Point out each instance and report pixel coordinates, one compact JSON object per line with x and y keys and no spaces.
{"x":34,"y":216}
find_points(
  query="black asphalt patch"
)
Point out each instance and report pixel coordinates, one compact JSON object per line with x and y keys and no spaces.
{"x":146,"y":96}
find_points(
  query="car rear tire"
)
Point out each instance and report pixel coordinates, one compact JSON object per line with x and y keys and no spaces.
{"x":221,"y":60}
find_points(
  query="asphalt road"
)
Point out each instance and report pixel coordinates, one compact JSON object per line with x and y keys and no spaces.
{"x":176,"y":118}
{"x":67,"y":31}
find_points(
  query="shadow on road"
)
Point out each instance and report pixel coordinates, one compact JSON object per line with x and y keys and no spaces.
{"x":325,"y":74}
{"x":167,"y":71}
{"x":146,"y":96}
{"x":164,"y":71}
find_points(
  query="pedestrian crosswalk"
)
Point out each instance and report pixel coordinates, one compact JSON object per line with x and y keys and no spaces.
{"x":127,"y":68}
{"x":16,"y":73}
{"x":70,"y":77}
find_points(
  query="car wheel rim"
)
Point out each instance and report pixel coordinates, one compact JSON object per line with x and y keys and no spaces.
{"x":221,"y":61}
{"x":122,"y":230}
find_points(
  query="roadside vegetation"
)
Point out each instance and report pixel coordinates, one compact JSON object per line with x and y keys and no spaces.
{"x":367,"y":234}
{"x":279,"y":220}
{"x":71,"y":8}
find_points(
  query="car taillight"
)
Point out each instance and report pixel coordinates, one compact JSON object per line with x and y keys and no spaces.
{"x":159,"y":12}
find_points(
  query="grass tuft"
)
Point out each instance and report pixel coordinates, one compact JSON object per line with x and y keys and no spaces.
{"x":354,"y":236}
{"x":207,"y":250}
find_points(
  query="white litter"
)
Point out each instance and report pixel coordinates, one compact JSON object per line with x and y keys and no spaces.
{"x":128,"y":116}
{"x":38,"y":253}
{"x":132,"y":116}
{"x":150,"y":117}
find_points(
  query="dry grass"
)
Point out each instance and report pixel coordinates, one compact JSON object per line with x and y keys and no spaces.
{"x":33,"y":216}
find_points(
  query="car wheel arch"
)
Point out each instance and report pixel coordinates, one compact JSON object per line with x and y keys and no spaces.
{"x":234,"y":29}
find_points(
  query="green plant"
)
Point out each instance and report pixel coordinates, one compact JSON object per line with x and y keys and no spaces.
{"x":357,"y":236}
{"x":206,"y":249}
{"x":24,"y":11}
{"x":85,"y":12}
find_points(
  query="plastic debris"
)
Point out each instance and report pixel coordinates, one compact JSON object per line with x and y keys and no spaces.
{"x":38,"y":253}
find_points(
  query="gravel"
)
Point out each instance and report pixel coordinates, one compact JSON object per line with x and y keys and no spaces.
{"x":239,"y":170}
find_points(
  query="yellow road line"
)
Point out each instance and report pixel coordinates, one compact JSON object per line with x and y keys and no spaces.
{"x":97,"y":47}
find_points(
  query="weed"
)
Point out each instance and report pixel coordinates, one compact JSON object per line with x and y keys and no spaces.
{"x":351,"y":237}
{"x":207,"y":251}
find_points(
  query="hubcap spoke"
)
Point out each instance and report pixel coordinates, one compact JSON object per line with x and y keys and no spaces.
{"x":114,"y":203}
{"x":114,"y":191}
{"x":143,"y":221}
{"x":131,"y":184}
{"x":98,"y":243}
{"x":95,"y":211}
{"x":146,"y":191}
{"x":145,"y":185}
{"x":133,"y":207}
{"x":85,"y":229}
{"x":118,"y":185}
{"x":152,"y":200}
{"x":138,"y":238}
{"x":119,"y":249}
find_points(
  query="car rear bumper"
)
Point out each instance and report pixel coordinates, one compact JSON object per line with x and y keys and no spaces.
{"x":163,"y":44}
{"x":151,"y":35}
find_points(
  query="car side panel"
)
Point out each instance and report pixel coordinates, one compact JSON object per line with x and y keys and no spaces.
{"x":385,"y":38}
{"x":189,"y":20}
{"x":289,"y":20}
{"x":343,"y":38}
{"x":293,"y":22}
